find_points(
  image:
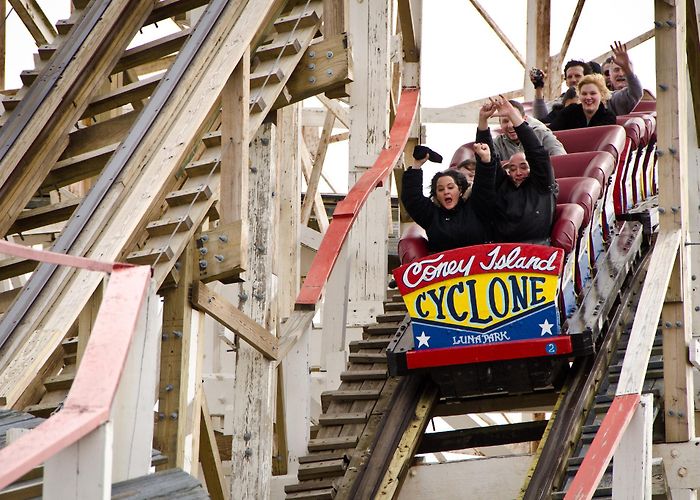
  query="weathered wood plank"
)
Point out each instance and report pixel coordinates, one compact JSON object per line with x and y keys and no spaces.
{"x":214,"y":304}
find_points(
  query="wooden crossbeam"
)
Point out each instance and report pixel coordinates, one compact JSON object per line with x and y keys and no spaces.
{"x":34,"y":19}
{"x":570,"y":31}
{"x":314,"y":178}
{"x":221,"y":252}
{"x":185,"y":113}
{"x":210,"y":458}
{"x":218,"y":307}
{"x":330,"y":68}
{"x":33,"y":142}
{"x":502,"y":36}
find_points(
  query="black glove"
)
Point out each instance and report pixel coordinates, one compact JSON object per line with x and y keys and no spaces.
{"x":537,"y":78}
{"x":419,"y":153}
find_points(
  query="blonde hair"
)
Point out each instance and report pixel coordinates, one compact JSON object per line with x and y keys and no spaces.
{"x":599,"y":81}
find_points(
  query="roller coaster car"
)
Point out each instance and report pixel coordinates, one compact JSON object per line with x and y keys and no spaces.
{"x":485,"y":318}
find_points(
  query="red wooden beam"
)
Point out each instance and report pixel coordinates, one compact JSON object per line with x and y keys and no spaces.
{"x":347,"y":210}
{"x":90,"y":399}
{"x":603,"y":447}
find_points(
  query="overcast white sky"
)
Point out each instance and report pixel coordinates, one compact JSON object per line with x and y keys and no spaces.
{"x":462,"y":59}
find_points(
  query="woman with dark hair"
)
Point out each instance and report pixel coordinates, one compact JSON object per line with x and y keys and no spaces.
{"x":449,"y":220}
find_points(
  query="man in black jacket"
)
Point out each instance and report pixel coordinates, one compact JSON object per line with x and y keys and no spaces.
{"x":526,"y":192}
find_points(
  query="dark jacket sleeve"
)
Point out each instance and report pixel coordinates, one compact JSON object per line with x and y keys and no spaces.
{"x":541,"y":171}
{"x":417,"y":205}
{"x":483,"y":197}
{"x":484,"y":137}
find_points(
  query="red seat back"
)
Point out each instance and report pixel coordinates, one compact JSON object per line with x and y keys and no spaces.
{"x":598,"y":165}
{"x":645,"y":106}
{"x":610,"y":138}
{"x":464,"y":152}
{"x":581,"y":190}
{"x":413,"y":244}
{"x":635,"y":128}
{"x":568,"y":220}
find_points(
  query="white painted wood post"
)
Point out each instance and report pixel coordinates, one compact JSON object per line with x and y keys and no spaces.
{"x":632,"y":462}
{"x":335,"y":313}
{"x":132,"y":410}
{"x":83,"y":470}
{"x":369,"y":132}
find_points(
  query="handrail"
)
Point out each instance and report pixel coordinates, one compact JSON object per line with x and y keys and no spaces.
{"x":91,"y":396}
{"x":630,"y":384}
{"x":348,"y":209}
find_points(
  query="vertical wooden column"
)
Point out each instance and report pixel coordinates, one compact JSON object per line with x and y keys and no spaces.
{"x":335,"y":22}
{"x":295,"y":390}
{"x":537,"y":42}
{"x":132,"y":409}
{"x":411,"y":22}
{"x":251,"y":453}
{"x":235,"y":140}
{"x":672,"y":115}
{"x":369,"y":129}
{"x":180,"y":389}
{"x":693,"y":176}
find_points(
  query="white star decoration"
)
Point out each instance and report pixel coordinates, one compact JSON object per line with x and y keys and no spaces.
{"x":423,"y":340}
{"x":546,"y":328}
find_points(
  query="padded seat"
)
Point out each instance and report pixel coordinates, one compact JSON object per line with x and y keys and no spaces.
{"x":635,"y":128}
{"x":598,"y":165}
{"x":610,"y":138}
{"x":568,"y":221}
{"x":413,"y":244}
{"x":583,"y":191}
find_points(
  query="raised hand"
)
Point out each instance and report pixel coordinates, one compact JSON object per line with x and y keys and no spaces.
{"x":483,"y":152}
{"x":537,"y":77}
{"x":621,"y":57}
{"x":487,"y":110}
{"x":419,"y":163}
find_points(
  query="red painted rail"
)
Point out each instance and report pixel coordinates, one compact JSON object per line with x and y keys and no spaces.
{"x":347,"y":210}
{"x":603,"y":447}
{"x":90,"y":399}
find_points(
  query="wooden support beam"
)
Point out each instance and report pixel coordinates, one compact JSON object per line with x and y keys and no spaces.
{"x":502,"y":36}
{"x":672,"y":139}
{"x":319,"y":207}
{"x":329,"y":69}
{"x":221,"y":252}
{"x":341,"y":113}
{"x":570,"y":31}
{"x":313,"y":180}
{"x":633,"y":42}
{"x":207,"y":300}
{"x":537,"y":41}
{"x":34,"y":141}
{"x":411,"y":49}
{"x":335,"y":22}
{"x":34,"y":19}
{"x":210,"y":458}
{"x":177,"y":428}
{"x":693,"y":53}
{"x":251,"y":449}
{"x":235,"y":141}
{"x":184,"y":113}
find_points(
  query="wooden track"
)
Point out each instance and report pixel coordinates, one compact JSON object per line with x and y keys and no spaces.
{"x":148,"y":215}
